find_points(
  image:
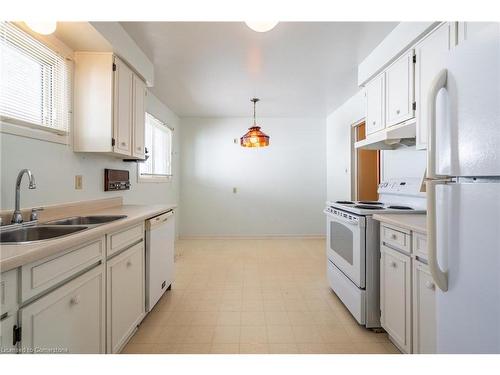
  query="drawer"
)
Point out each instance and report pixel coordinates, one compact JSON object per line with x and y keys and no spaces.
{"x":41,"y":275}
{"x":124,"y":238}
{"x":395,"y":238}
{"x":419,"y":245}
{"x":8,"y":291}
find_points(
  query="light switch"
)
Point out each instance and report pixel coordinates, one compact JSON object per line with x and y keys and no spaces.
{"x":79,"y":182}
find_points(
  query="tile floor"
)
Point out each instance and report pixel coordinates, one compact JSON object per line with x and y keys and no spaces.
{"x":252,"y":296}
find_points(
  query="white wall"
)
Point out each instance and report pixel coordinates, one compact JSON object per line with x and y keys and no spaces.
{"x":338,"y":146}
{"x":55,"y":166}
{"x":280,"y":189}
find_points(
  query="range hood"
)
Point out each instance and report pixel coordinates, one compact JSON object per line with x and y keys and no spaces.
{"x":390,"y":138}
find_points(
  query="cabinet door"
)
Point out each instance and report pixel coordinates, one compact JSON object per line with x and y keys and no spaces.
{"x":7,"y":324}
{"x":424,"y":310}
{"x":395,"y":292}
{"x":139,"y":115}
{"x":122,"y":102}
{"x":70,"y":319}
{"x":375,"y":104}
{"x":430,"y":54}
{"x":399,"y":90}
{"x":125,"y":296}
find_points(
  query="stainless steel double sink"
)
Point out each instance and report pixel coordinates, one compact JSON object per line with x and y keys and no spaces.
{"x":34,"y":232}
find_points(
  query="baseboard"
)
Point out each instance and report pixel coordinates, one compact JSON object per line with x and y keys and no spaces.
{"x":266,"y":237}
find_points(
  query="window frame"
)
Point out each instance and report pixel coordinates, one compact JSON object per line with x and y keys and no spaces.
{"x":25,"y":129}
{"x":157,"y":178}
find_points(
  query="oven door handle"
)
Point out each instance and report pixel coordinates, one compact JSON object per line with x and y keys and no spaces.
{"x":341,"y":219}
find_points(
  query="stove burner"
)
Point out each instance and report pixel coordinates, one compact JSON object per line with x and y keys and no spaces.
{"x":344,"y":202}
{"x":368,"y":207}
{"x":370,"y":202}
{"x":400,"y":207}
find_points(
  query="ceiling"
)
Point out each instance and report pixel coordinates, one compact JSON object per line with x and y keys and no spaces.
{"x":212,"y":69}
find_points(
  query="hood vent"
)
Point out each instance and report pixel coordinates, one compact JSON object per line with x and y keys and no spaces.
{"x":390,"y":138}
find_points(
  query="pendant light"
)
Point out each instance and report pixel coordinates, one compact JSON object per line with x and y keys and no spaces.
{"x":42,"y":27}
{"x":254,"y":137}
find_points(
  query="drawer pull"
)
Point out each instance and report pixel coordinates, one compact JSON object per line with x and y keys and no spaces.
{"x":74,"y":300}
{"x":394,"y":237}
{"x":430,"y":285}
{"x":123,"y":144}
{"x":129,"y":263}
{"x":393,"y":264}
{"x":397,"y":112}
{"x":374,"y":122}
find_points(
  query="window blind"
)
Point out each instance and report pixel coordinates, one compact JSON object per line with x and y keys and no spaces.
{"x":159,"y":144}
{"x":35,"y":81}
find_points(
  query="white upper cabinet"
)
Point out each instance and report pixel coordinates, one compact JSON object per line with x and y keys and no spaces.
{"x":139,"y":118}
{"x":109,"y":106}
{"x":430,"y":59}
{"x":399,"y":90}
{"x":375,"y":104}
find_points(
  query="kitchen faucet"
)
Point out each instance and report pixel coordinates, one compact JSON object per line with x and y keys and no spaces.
{"x":17,"y":217}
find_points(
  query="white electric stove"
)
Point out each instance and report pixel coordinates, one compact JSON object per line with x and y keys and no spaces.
{"x":352,"y":247}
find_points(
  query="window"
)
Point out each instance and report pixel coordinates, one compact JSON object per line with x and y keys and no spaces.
{"x":35,"y":82}
{"x":158,"y":167}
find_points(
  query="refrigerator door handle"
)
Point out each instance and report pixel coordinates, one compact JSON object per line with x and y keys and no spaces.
{"x":437,"y":84}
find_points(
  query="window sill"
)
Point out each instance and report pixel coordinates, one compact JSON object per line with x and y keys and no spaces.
{"x":153,"y":179}
{"x":7,"y":127}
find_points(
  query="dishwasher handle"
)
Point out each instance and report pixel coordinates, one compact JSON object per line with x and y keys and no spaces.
{"x":159,"y":220}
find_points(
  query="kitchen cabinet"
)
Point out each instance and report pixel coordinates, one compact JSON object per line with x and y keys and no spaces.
{"x":424,"y":310}
{"x":399,"y":90}
{"x":109,"y":106}
{"x":70,"y":319}
{"x":375,"y":102}
{"x":8,"y":310}
{"x":395,"y":296}
{"x":7,"y":323}
{"x":125,"y":295}
{"x":430,"y":54}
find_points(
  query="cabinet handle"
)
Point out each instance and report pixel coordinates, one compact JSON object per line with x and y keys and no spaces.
{"x":374,"y":122}
{"x":430,"y":285}
{"x":139,"y":148}
{"x":393,"y":264}
{"x":394,"y":237}
{"x":129,"y":263}
{"x":397,"y":112}
{"x":74,"y":300}
{"x":123,"y":144}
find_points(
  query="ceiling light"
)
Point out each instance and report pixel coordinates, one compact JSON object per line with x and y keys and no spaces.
{"x":41,"y":27}
{"x":261,"y":26}
{"x":254,"y":137}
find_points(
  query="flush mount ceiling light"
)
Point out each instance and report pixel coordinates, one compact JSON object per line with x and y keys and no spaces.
{"x":261,"y":26}
{"x":42,"y":27}
{"x":254,"y":137}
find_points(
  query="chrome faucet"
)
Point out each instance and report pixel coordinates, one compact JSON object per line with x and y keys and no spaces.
{"x":17,"y":217}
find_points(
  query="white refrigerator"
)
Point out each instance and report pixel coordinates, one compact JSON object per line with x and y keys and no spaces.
{"x":463,"y":193}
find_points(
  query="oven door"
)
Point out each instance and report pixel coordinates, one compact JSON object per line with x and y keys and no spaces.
{"x":346,"y":244}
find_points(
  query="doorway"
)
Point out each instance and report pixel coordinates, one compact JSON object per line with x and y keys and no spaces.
{"x":366,"y":167}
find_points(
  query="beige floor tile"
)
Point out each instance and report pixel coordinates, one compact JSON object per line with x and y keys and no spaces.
{"x":360,"y":334}
{"x":229,"y":318}
{"x":193,"y":348}
{"x":253,"y":318}
{"x":277,"y":318}
{"x":179,"y":318}
{"x":301,"y":318}
{"x":278,"y":305}
{"x":280,"y":334}
{"x":147,"y":334}
{"x":252,"y":305}
{"x":231,"y":305}
{"x":391,"y":348}
{"x":290,"y":348}
{"x":199,"y":335}
{"x":233,"y":348}
{"x":307,"y":334}
{"x":254,"y":348}
{"x":334,"y":334}
{"x":138,"y":348}
{"x":295,"y":305}
{"x":173,"y":334}
{"x":371,"y":348}
{"x":205,"y":318}
{"x":253,"y":334}
{"x":226,"y":334}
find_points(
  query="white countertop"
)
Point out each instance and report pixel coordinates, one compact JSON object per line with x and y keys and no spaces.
{"x":13,"y":256}
{"x":415,"y":222}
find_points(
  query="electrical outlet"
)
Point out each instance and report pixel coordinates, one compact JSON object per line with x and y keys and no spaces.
{"x":235,"y":190}
{"x":79,"y":182}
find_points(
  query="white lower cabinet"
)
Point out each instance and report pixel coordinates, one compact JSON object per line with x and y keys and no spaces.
{"x":125,"y":296}
{"x":70,"y":319}
{"x":424,"y":310}
{"x":395,"y":296}
{"x":7,"y":324}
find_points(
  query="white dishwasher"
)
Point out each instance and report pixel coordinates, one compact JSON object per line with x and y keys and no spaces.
{"x":160,"y":237}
